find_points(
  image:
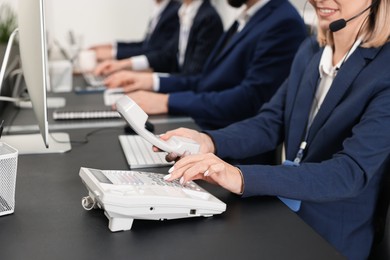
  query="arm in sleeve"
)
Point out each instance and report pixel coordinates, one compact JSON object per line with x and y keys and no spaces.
{"x":346,"y":172}
{"x":129,"y":49}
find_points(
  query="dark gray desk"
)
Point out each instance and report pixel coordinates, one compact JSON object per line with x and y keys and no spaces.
{"x":50,"y":223}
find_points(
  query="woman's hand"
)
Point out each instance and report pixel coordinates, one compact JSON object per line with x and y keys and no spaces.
{"x":207,"y":167}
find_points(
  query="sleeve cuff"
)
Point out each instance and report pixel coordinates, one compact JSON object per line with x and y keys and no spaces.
{"x":156,"y":80}
{"x":242,"y":182}
{"x":139,"y":63}
{"x":114,"y":50}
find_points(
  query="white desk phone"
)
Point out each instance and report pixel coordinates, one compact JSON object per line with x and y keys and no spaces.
{"x":129,"y":195}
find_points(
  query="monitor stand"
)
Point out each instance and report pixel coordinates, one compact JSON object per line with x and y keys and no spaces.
{"x":33,"y":143}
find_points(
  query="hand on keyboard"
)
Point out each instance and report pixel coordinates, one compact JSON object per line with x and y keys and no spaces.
{"x":139,"y":153}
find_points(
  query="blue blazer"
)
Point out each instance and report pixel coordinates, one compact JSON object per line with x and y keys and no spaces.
{"x":347,"y":151}
{"x":165,"y":30}
{"x":205,"y":31}
{"x":238,"y":78}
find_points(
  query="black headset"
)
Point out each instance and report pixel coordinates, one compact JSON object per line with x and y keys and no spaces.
{"x":341,"y":23}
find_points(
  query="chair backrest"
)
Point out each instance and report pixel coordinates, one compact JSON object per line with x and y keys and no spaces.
{"x":381,"y":249}
{"x":386,"y":238}
{"x":381,"y":245}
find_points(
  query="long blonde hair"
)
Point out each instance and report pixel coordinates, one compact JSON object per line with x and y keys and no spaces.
{"x":375,"y":30}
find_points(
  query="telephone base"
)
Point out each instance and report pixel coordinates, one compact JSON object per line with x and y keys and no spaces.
{"x":118,"y":222}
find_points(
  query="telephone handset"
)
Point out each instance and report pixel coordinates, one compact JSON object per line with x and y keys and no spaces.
{"x":136,"y":118}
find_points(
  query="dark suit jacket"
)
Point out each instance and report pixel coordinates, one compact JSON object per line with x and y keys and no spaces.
{"x":205,"y":31}
{"x":236,"y":81}
{"x":347,"y":152}
{"x":166,"y":28}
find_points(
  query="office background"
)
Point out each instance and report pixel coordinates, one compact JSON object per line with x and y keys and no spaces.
{"x":107,"y":21}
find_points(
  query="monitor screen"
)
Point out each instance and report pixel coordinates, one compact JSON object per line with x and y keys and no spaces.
{"x":33,"y":54}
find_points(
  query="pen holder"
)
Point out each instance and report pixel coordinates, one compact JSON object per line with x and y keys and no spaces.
{"x":8,"y":168}
{"x":61,"y":78}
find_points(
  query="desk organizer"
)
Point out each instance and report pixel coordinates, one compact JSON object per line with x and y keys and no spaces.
{"x":8,"y":168}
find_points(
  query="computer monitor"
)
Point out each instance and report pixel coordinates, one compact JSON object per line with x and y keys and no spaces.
{"x":32,"y":47}
{"x":33,"y":55}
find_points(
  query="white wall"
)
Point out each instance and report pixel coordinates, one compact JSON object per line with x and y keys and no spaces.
{"x":98,"y":20}
{"x":101,"y":21}
{"x":12,"y":2}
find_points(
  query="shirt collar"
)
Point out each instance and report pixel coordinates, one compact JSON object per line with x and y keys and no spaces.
{"x":158,"y":8}
{"x":191,"y":9}
{"x":247,"y":14}
{"x":326,"y":64}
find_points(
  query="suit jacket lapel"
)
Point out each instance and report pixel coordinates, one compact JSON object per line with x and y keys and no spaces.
{"x":218,"y":47}
{"x":262,"y":14}
{"x":195,"y":24}
{"x":164,"y":16}
{"x":301,"y":107}
{"x":343,"y":81}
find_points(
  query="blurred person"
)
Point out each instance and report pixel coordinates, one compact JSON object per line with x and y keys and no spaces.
{"x":186,"y":53}
{"x":163,"y":25}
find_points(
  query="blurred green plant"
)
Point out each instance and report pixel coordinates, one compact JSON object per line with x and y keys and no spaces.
{"x":8,"y":22}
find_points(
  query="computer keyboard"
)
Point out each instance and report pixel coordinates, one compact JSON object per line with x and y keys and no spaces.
{"x":82,"y":114}
{"x":139,"y":153}
{"x":93,"y":80}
